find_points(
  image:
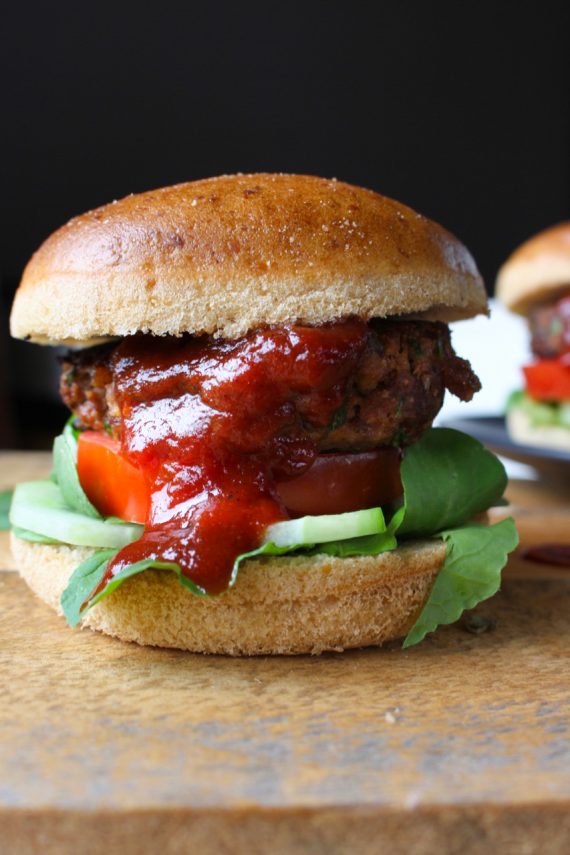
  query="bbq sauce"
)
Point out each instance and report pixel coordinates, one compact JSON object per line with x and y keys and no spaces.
{"x":212,"y":424}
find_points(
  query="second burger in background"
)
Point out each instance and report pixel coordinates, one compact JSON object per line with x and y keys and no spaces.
{"x":535,"y":282}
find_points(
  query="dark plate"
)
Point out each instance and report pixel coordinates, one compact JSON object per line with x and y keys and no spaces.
{"x":492,"y":432}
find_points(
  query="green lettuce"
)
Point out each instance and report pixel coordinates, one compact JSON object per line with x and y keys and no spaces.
{"x":33,"y":536}
{"x":65,"y":474}
{"x":541,"y":413}
{"x":83,"y":581}
{"x":448,"y":478}
{"x":78,"y":596}
{"x":370,"y":544}
{"x":471,"y":573}
{"x":5,"y":502}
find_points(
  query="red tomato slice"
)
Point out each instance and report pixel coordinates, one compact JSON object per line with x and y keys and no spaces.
{"x":337,"y":483}
{"x":548,"y":379}
{"x":334,"y":484}
{"x":112,"y":484}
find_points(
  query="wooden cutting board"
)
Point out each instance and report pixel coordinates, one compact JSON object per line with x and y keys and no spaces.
{"x":459,"y":745}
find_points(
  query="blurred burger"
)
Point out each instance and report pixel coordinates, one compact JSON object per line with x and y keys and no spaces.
{"x":254,"y":365}
{"x":535,"y":282}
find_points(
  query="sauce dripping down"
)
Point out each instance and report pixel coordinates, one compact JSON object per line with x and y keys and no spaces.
{"x":213,"y":424}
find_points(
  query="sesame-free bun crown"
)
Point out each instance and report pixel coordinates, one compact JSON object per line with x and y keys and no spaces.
{"x":224,"y":255}
{"x":537,"y":272}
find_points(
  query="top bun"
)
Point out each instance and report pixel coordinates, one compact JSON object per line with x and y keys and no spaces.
{"x":537,"y":272}
{"x":225,"y":255}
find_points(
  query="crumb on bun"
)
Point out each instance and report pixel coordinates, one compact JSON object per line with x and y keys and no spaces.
{"x":224,"y":255}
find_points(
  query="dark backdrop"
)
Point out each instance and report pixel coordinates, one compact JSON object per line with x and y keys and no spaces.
{"x":459,"y":110}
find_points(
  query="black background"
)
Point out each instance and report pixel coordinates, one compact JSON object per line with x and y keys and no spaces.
{"x":459,"y":110}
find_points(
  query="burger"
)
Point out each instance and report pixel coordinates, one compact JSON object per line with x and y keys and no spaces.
{"x":253,"y":366}
{"x":535,"y":282}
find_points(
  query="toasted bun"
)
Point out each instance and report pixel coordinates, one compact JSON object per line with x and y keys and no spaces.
{"x":524,"y":432}
{"x":279,"y":605}
{"x":224,"y":255}
{"x":537,"y":272}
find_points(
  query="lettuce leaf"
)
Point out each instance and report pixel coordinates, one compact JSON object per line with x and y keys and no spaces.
{"x":264,"y":549}
{"x":371,"y":544}
{"x":83,"y":581}
{"x":471,"y":573}
{"x":5,"y":502}
{"x":448,"y":478}
{"x":33,"y":536}
{"x":88,"y":576}
{"x":65,"y":466}
{"x":541,"y":413}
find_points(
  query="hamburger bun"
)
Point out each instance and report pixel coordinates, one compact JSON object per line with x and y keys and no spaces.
{"x":537,"y":272}
{"x":224,"y":255}
{"x":291,"y":604}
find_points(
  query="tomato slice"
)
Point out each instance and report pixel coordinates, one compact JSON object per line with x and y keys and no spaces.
{"x":334,"y":484}
{"x":549,"y":379}
{"x":112,"y":484}
{"x":337,"y":483}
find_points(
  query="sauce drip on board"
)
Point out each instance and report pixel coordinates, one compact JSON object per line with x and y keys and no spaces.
{"x":549,"y":553}
{"x":214,"y":424}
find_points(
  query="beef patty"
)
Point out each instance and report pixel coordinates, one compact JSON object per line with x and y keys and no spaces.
{"x":390,"y":399}
{"x":550,"y":329}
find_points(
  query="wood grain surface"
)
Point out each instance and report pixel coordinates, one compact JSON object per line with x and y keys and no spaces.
{"x":459,"y":745}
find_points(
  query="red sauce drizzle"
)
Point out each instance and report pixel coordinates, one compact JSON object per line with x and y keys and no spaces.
{"x":213,"y":423}
{"x":549,"y":553}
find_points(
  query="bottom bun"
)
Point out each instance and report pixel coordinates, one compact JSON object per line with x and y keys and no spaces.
{"x":291,"y":604}
{"x":522,"y":430}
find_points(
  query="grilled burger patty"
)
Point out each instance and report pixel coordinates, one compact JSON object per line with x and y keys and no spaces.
{"x":390,"y":399}
{"x":550,"y":329}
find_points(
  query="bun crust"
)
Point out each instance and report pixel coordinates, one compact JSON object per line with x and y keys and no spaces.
{"x":537,"y":272}
{"x":224,"y":255}
{"x":281,"y":605}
